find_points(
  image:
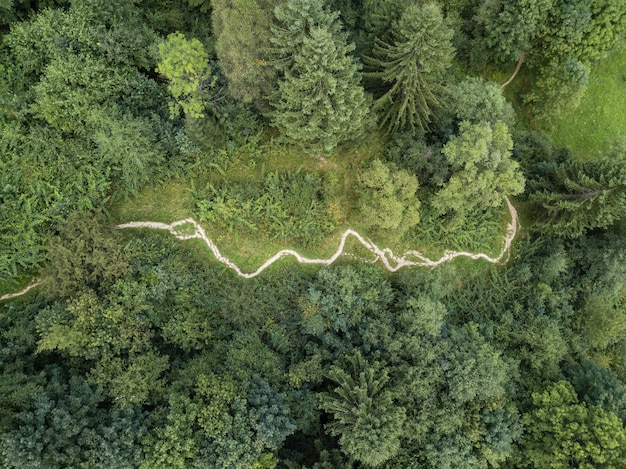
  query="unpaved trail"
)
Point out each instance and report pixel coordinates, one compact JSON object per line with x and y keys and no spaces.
{"x":386,"y":255}
{"x":391,"y":261}
{"x":22,"y":292}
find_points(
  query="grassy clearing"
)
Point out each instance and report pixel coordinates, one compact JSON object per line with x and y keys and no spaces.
{"x":174,"y":201}
{"x":601,"y":117}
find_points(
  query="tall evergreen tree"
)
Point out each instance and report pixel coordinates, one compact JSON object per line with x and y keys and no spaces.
{"x":412,"y":67}
{"x":320,"y":102}
{"x":578,"y":196}
{"x":365,"y":418}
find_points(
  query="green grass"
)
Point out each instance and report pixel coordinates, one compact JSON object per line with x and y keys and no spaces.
{"x":174,"y":201}
{"x":601,"y":117}
{"x":15,"y":286}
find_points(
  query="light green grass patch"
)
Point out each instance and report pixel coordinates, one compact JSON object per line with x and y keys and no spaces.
{"x":601,"y":117}
{"x":174,"y":201}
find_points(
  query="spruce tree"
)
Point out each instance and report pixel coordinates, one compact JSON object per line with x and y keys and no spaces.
{"x":577,"y":196}
{"x":411,"y":69}
{"x":320,"y":102}
{"x":365,"y":418}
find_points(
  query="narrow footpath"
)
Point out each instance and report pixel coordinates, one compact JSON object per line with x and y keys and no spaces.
{"x":386,"y":256}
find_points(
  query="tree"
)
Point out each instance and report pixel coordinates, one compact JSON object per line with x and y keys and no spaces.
{"x":580,"y":195}
{"x":67,"y":428}
{"x":366,"y":420}
{"x":560,"y":87}
{"x":603,"y":322}
{"x":510,"y":27}
{"x":186,"y":66}
{"x":294,"y":21}
{"x":387,"y":198}
{"x":411,"y":69}
{"x":477,"y":100}
{"x":482,"y":170}
{"x":596,"y":385}
{"x":242,"y":28}
{"x":320,"y":102}
{"x":85,"y":254}
{"x":561,"y":432}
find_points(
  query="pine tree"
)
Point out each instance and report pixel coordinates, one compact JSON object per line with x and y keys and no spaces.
{"x":581,"y":195}
{"x":295,"y":19}
{"x":365,"y":418}
{"x":320,"y":102}
{"x":413,"y":67}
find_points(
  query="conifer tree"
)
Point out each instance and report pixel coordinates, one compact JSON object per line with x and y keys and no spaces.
{"x":412,"y":67}
{"x":365,"y":418}
{"x":577,"y":196}
{"x":320,"y":102}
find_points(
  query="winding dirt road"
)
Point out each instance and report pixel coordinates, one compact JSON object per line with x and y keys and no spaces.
{"x":391,"y":261}
{"x":21,"y":292}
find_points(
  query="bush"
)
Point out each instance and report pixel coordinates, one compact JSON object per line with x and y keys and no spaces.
{"x":292,"y":206}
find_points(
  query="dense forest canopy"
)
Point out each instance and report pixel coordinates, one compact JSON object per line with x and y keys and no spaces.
{"x":280,"y":123}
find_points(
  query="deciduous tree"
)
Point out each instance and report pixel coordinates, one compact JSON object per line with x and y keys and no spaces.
{"x":185,"y":63}
{"x":561,"y":432}
{"x":482,"y":170}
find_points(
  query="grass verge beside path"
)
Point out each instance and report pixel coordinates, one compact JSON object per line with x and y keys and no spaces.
{"x":601,"y":117}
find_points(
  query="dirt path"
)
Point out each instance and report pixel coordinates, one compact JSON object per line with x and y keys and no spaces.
{"x":8,"y":296}
{"x":386,"y":256}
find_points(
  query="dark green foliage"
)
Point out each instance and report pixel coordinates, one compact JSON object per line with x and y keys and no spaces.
{"x":320,"y":102}
{"x":577,"y":196}
{"x":559,"y":87}
{"x":138,"y":351}
{"x":596,"y":385}
{"x":85,"y":254}
{"x":532,"y":292}
{"x":511,"y":26}
{"x":340,"y":308}
{"x":411,"y":67}
{"x":221,"y":427}
{"x":67,"y":428}
{"x":83,"y":122}
{"x":476,"y":100}
{"x":409,"y":151}
{"x":365,"y":418}
{"x":20,"y":376}
{"x":292,"y":206}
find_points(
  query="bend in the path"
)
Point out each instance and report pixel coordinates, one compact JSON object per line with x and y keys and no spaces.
{"x":21,"y":292}
{"x":391,"y":261}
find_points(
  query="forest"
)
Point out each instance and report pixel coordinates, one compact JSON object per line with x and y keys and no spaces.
{"x":280,"y":124}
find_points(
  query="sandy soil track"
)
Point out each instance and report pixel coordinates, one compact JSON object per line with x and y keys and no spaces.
{"x":391,"y":261}
{"x":386,"y":256}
